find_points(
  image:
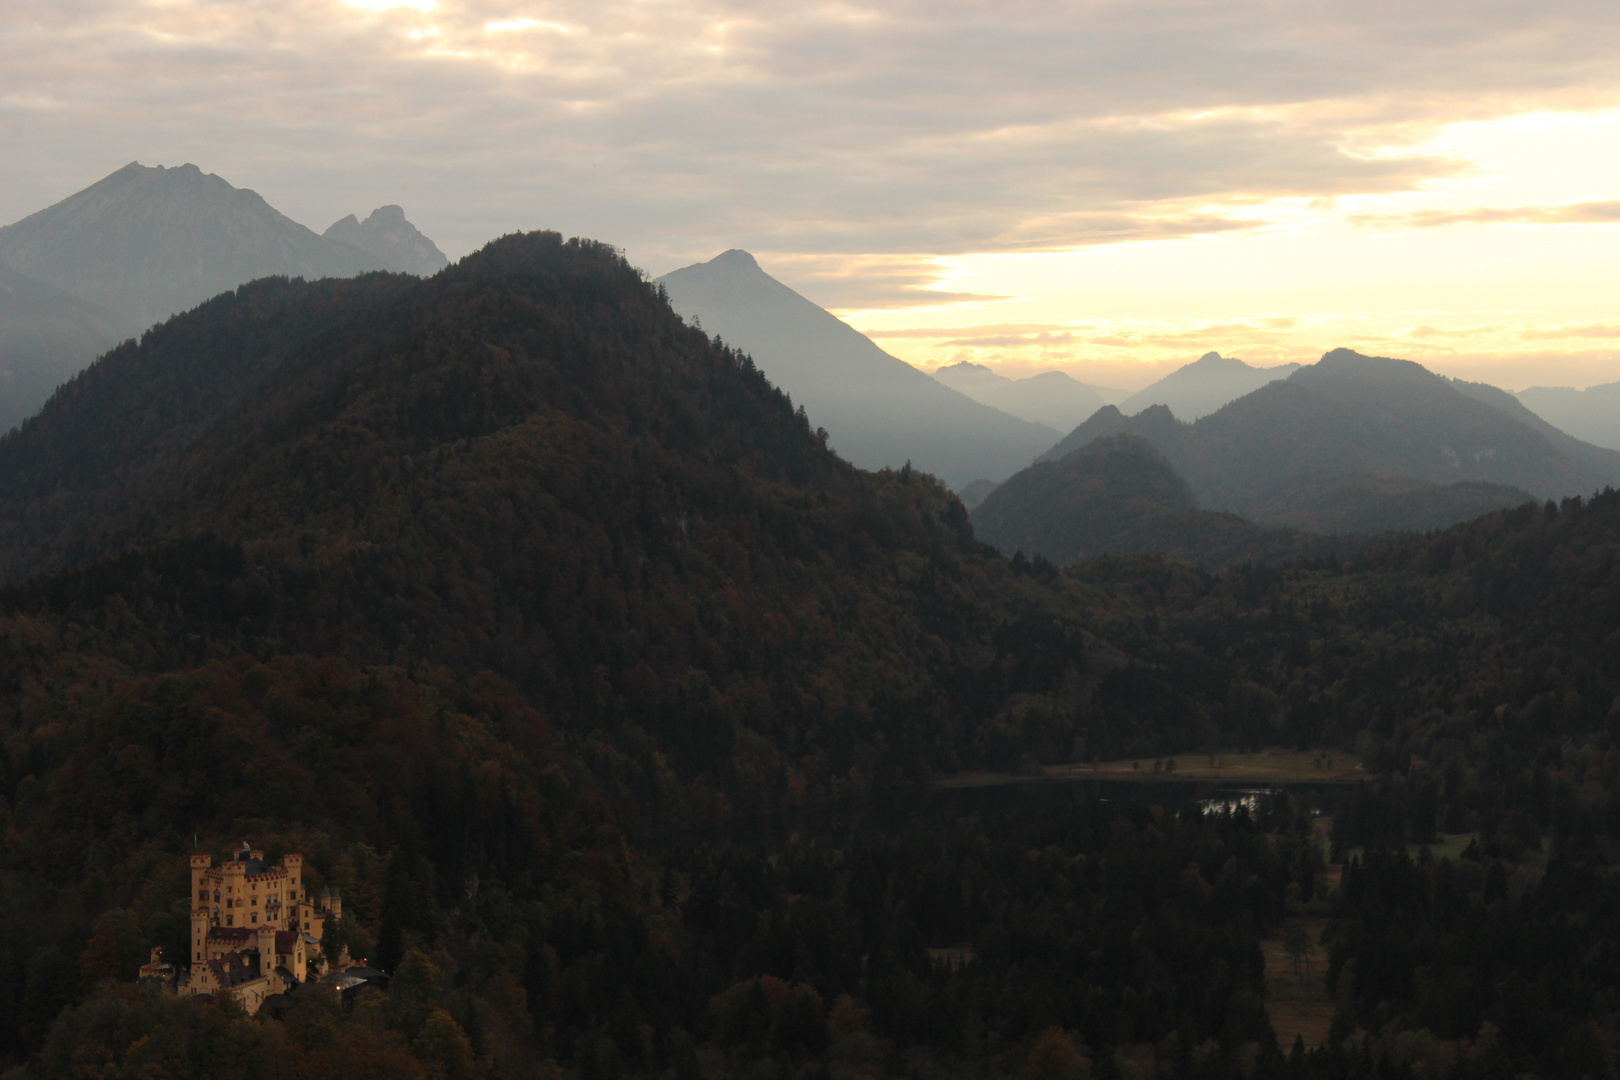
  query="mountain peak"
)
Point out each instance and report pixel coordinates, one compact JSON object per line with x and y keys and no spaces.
{"x":1342,"y":363}
{"x":389,"y":238}
{"x":735,"y":259}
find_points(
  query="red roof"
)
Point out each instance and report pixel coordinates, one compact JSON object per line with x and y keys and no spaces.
{"x":285,"y":940}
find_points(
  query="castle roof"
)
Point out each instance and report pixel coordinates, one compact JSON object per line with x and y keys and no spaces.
{"x":231,"y":933}
{"x":233,"y":969}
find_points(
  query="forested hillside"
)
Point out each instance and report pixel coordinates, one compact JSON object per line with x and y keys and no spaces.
{"x":554,"y":637}
{"x":1118,"y":496}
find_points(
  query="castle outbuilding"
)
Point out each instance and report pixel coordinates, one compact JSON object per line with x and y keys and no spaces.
{"x":255,"y":932}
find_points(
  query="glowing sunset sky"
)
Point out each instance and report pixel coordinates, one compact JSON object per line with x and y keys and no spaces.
{"x":1106,"y":187}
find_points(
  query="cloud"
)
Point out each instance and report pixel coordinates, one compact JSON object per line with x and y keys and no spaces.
{"x":1586,"y":213}
{"x":1591,"y":330}
{"x":842,"y":128}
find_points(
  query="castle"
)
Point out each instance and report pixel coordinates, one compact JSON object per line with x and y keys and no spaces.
{"x":254,"y":930}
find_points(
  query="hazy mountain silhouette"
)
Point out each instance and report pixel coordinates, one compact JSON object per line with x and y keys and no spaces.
{"x":1592,"y":414}
{"x":1354,"y":415}
{"x":46,"y":335}
{"x":394,"y":242}
{"x":878,"y":410}
{"x":974,"y":493}
{"x":1204,"y":385}
{"x":146,"y":243}
{"x":1052,"y":398}
{"x":1119,"y":496}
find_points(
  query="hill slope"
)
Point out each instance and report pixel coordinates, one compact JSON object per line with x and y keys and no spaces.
{"x":1118,"y":496}
{"x":466,"y":591}
{"x":146,"y":243}
{"x":880,"y":411}
{"x":1203,"y":386}
{"x":527,"y":464}
{"x":1353,"y":415}
{"x":46,"y":335}
{"x":75,"y":470}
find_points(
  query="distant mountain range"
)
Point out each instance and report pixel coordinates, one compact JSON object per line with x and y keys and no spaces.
{"x":878,"y":410}
{"x":1204,"y":386}
{"x":1592,"y":414}
{"x":1119,"y":496}
{"x":145,"y":243}
{"x":1354,"y":415}
{"x":1052,"y":398}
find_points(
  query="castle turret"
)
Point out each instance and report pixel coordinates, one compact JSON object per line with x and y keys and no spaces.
{"x":267,"y":948}
{"x":294,"y":865}
{"x":199,"y":934}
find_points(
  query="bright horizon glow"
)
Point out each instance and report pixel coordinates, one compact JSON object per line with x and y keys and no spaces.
{"x":1321,"y":276}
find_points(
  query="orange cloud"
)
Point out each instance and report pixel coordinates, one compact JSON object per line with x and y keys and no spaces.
{"x":1587,"y":213}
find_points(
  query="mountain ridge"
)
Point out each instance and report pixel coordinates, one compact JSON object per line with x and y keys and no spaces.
{"x":1204,"y":386}
{"x":1053,"y":398}
{"x":149,"y":242}
{"x":1356,"y":415}
{"x":1117,"y":495}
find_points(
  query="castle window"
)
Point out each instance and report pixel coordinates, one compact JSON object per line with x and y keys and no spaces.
{"x":255,"y":916}
{"x":255,"y":901}
{"x":229,"y":919}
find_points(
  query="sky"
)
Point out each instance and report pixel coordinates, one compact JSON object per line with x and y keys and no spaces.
{"x":1107,"y":188}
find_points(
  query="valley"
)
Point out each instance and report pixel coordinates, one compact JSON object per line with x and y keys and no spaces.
{"x":643,"y":734}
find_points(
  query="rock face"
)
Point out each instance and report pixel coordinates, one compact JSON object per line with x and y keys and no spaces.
{"x":1204,"y":385}
{"x":394,"y":242}
{"x":878,"y":410}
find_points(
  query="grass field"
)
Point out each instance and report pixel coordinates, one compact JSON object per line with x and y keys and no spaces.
{"x":1276,"y":766}
{"x":1450,"y":846}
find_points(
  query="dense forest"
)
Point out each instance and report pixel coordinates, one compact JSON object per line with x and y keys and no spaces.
{"x":555,"y":638}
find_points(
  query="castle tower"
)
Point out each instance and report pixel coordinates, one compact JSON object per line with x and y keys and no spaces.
{"x":199,"y":878}
{"x":234,"y":893}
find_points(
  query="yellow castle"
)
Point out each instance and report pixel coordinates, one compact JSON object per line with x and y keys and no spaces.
{"x":254,"y":930}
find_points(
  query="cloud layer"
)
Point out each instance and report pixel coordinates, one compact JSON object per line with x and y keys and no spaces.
{"x":680,"y":127}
